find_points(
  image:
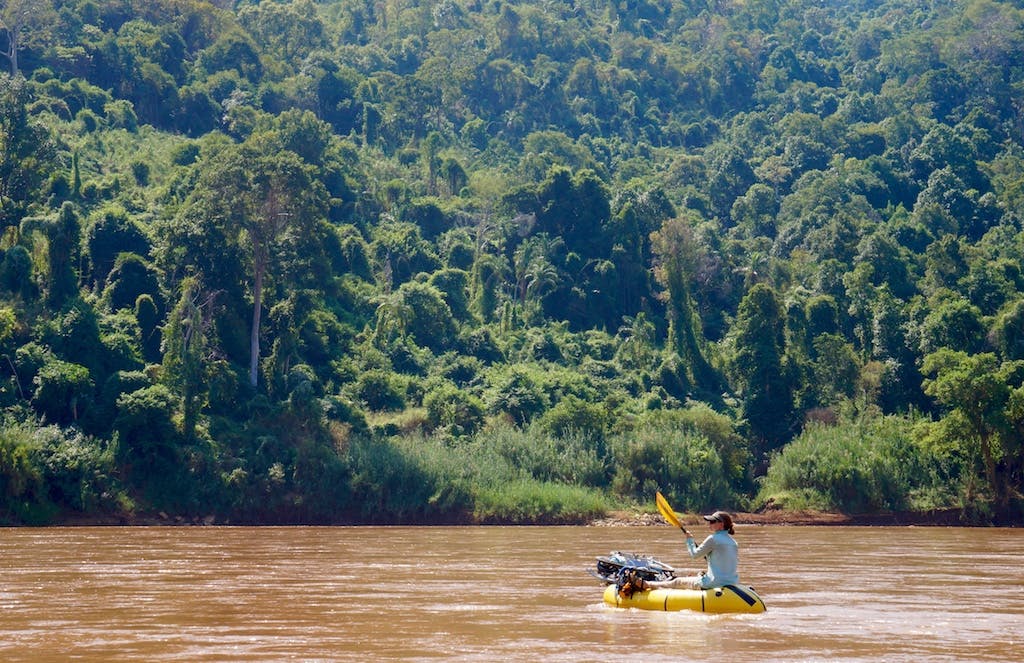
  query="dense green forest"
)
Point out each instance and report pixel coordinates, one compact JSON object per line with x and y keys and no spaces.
{"x":343,"y":261}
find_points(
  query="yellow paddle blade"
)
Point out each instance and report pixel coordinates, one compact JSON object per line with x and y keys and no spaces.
{"x":666,"y":511}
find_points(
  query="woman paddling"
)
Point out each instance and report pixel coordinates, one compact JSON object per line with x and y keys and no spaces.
{"x":721,"y":552}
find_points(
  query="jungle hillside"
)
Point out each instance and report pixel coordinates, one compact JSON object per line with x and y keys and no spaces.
{"x":500,"y":261}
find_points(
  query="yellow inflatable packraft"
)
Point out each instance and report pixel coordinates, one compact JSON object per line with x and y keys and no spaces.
{"x":731,"y":598}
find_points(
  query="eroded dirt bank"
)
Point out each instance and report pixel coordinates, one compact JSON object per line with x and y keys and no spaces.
{"x":946,"y":518}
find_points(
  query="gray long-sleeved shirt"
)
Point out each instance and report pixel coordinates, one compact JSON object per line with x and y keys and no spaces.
{"x":722,"y":553}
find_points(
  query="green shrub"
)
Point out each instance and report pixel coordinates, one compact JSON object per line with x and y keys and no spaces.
{"x":430,"y":321}
{"x":130,"y":277}
{"x":185,"y":154}
{"x":480,"y":343}
{"x":110,"y":233}
{"x":490,"y":478}
{"x":21,"y":482}
{"x":121,"y":339}
{"x":682,"y":464}
{"x":121,"y":114}
{"x":541,"y":344}
{"x":147,"y":315}
{"x":453,"y":410}
{"x":140,"y":171}
{"x":74,"y":335}
{"x":380,"y":391}
{"x":150,"y":442}
{"x":80,"y":471}
{"x":341,"y":409}
{"x":62,"y":391}
{"x":29,"y":359}
{"x":518,"y":392}
{"x":460,"y":369}
{"x":119,"y":383}
{"x":46,"y":471}
{"x":719,"y":430}
{"x":16,"y":272}
{"x":855,"y":468}
{"x":90,"y":121}
{"x":574,"y":415}
{"x":8,"y":323}
{"x":454,"y":287}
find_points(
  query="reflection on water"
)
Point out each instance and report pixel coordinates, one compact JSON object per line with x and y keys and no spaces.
{"x":501,"y":593}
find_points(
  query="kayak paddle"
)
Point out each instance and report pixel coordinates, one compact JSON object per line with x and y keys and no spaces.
{"x":667,"y":512}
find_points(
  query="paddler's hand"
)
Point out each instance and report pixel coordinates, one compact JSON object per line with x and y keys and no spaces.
{"x":685,"y":533}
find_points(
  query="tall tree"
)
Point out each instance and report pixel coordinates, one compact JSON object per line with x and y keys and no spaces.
{"x":26,"y":152}
{"x":267,"y":200}
{"x":536,"y":274}
{"x":677,"y":254}
{"x":185,"y":352}
{"x":25,"y":23}
{"x":760,"y":369}
{"x":288,"y":31}
{"x":975,"y":392}
{"x":63,"y":255}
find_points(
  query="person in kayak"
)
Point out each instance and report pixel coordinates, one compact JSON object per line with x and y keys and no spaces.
{"x":721,"y":552}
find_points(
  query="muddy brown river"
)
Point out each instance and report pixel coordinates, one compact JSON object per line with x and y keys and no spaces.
{"x":498,"y":594}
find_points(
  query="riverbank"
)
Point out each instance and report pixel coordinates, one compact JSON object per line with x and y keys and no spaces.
{"x":619,"y":518}
{"x":943,"y":518}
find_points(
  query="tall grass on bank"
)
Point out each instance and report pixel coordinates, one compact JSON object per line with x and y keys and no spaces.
{"x":857,"y":467}
{"x":531,"y":476}
{"x":505,"y":474}
{"x":501,"y":476}
{"x":530,"y":501}
{"x":407,"y":478}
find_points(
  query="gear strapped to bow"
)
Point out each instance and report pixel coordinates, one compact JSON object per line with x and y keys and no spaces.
{"x":630,"y":582}
{"x":630,"y":573}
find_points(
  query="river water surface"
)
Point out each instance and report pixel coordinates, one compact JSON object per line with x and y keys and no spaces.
{"x":498,"y":594}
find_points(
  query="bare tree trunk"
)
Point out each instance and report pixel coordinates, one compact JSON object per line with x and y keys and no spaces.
{"x":12,"y":51}
{"x":254,"y":335}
